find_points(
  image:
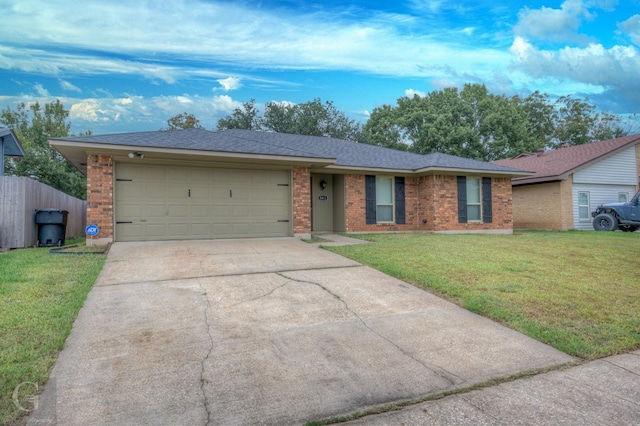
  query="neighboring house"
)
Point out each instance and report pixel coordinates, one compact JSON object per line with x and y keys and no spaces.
{"x":569,"y":183}
{"x":197,"y":184}
{"x":9,"y":146}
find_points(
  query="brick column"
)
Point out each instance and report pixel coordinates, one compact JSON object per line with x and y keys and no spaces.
{"x":100,"y":196}
{"x":301,"y":177}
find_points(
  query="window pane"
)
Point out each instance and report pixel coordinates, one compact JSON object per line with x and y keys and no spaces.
{"x":583,"y":212}
{"x":583,"y":206}
{"x":385,"y":214}
{"x":384,"y":190}
{"x":473,"y":212}
{"x":473,"y":190}
{"x":622,"y":197}
{"x":582,"y":198}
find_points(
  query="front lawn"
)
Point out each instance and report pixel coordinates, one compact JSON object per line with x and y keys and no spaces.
{"x":40,"y":296}
{"x":578,"y":291}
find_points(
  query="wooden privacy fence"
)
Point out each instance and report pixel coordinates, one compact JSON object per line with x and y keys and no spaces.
{"x":20,"y":197}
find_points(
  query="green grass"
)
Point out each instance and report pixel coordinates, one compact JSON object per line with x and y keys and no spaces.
{"x":40,"y":296}
{"x":577,"y":291}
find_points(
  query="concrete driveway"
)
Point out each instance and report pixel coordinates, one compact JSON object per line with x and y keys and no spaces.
{"x":264,"y":331}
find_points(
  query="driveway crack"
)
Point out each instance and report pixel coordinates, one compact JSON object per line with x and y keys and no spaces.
{"x":203,"y":381}
{"x":269,"y":293}
{"x":437,"y":370}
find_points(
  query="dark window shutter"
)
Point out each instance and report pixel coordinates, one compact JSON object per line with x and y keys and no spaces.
{"x":487,"y":213}
{"x":370,"y":198}
{"x":399,"y":193}
{"x":462,"y":199}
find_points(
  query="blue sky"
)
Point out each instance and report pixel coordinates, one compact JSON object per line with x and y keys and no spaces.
{"x":123,"y":66}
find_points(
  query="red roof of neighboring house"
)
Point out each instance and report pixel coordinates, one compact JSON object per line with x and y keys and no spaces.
{"x":559,"y":163}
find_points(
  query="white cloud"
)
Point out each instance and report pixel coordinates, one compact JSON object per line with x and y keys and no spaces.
{"x":410,"y":93}
{"x":132,"y":113}
{"x":230,"y":83}
{"x":220,"y":33}
{"x":632,"y":27}
{"x":553,"y":24}
{"x":65,"y":85}
{"x":614,"y":69}
{"x":40,"y":90}
{"x":90,"y":110}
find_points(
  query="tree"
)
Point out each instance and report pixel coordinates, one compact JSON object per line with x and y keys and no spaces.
{"x":578,"y":123}
{"x":34,"y":125}
{"x":313,"y":118}
{"x":474,"y":123}
{"x":245,"y":117}
{"x":382,"y":129}
{"x":183,"y":121}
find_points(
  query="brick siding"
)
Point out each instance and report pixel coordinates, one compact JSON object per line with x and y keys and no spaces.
{"x":100,"y":194}
{"x":543,"y":206}
{"x":431,"y":204}
{"x":301,"y":177}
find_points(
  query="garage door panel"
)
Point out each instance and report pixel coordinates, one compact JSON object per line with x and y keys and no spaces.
{"x":177,"y":175}
{"x":131,"y":192}
{"x":200,"y":229}
{"x":155,"y":230}
{"x":199,"y":193}
{"x":165,"y":203}
{"x":200,"y":175}
{"x":179,"y":210}
{"x":155,"y":191}
{"x":130,"y":211}
{"x":198,"y":212}
{"x":220,"y":175}
{"x":154,"y":211}
{"x":178,"y":192}
{"x":221,"y":212}
{"x":240,"y":178}
{"x":157,"y":173}
{"x":177,"y":230}
{"x":134,"y":231}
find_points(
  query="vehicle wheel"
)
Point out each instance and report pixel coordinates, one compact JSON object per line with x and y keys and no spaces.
{"x":605,"y":222}
{"x":628,"y":228}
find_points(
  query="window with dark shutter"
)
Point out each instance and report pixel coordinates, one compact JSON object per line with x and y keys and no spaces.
{"x":399,"y":194}
{"x":487,"y":214}
{"x":370,"y":199}
{"x":462,"y":199}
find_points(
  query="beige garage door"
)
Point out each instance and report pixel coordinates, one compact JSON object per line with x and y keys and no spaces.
{"x":176,"y":203}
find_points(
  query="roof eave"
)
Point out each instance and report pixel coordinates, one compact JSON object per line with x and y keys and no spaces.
{"x":428,"y":170}
{"x":543,"y":179}
{"x":75,"y":152}
{"x":505,"y":173}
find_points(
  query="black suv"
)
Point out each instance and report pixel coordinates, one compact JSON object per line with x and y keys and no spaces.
{"x":622,"y":216}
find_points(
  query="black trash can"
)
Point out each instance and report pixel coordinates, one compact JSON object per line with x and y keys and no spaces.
{"x":52,"y":225}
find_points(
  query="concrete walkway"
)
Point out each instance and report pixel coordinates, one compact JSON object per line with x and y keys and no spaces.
{"x":602,"y":392}
{"x":264,"y":331}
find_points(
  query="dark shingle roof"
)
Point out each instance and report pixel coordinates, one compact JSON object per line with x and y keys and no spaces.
{"x":552,"y":165}
{"x":345,"y":153}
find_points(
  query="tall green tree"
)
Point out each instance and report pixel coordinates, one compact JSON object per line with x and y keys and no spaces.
{"x":578,"y":122}
{"x":183,"y":121}
{"x":34,"y":125}
{"x":244,"y":117}
{"x":314,"y":118}
{"x":476,"y":124}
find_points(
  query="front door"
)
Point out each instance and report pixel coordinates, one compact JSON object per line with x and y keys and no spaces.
{"x":322,"y":203}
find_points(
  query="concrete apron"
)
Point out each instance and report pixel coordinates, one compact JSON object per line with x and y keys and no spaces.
{"x":270,"y":331}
